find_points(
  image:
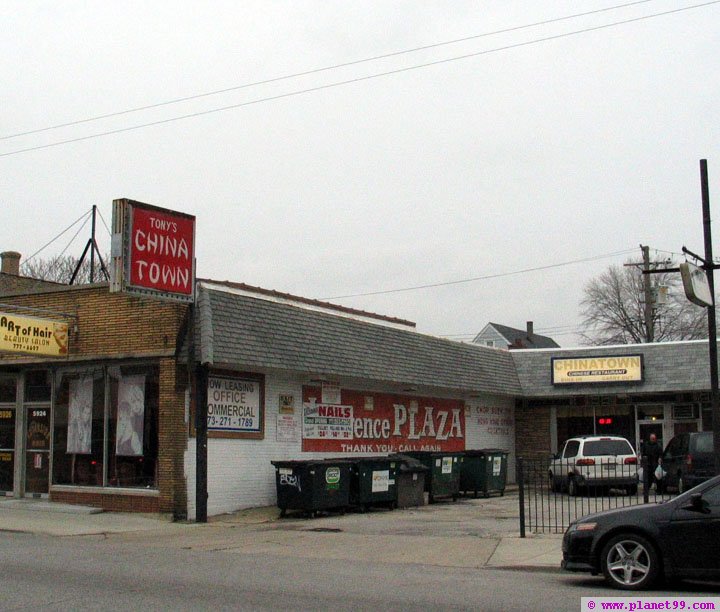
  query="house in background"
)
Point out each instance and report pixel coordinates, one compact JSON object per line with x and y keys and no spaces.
{"x":509,"y":338}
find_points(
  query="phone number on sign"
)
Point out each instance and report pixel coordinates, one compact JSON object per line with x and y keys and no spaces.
{"x":226,"y":422}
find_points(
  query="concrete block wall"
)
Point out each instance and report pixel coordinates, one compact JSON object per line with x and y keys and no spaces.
{"x":240,"y":473}
{"x":490,"y":423}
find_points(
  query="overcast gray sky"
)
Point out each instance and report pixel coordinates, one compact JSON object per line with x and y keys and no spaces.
{"x":540,"y":148}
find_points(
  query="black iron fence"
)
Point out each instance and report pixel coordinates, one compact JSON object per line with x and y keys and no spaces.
{"x":553,"y":492}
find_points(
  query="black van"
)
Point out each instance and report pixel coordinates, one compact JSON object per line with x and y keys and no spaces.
{"x":688,"y":460}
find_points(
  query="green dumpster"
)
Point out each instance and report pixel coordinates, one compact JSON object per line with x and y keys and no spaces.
{"x":443,"y":478}
{"x":313,"y":485}
{"x":373,"y":482}
{"x":484,"y":471}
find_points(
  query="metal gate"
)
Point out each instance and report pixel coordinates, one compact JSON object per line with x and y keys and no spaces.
{"x":549,"y":506}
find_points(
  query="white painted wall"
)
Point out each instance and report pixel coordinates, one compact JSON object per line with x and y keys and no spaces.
{"x":490,"y":423}
{"x":240,"y":474}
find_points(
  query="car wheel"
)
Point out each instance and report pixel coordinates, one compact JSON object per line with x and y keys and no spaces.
{"x":629,"y":561}
{"x":573,"y":489}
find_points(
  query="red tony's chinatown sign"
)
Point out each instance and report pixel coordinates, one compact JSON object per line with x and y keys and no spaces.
{"x":381,"y":423}
{"x":153,"y":250}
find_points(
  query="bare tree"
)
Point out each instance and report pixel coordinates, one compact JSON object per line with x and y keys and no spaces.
{"x":60,"y":269}
{"x":613,"y":309}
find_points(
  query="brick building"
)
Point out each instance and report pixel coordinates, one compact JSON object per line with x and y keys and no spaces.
{"x":114,"y":341}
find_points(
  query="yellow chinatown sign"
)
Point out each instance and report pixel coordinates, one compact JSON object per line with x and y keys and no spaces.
{"x":605,"y":369}
{"x":33,"y":335}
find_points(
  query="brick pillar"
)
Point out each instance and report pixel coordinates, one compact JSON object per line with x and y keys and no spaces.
{"x":173,"y":436}
{"x":532,"y":431}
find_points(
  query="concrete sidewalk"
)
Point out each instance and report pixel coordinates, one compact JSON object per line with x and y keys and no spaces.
{"x":470,"y":533}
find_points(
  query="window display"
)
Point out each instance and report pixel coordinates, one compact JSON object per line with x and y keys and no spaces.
{"x":105,"y":427}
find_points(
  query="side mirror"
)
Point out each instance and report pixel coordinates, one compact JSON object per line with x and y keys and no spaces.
{"x":696,"y":503}
{"x":555,"y":456}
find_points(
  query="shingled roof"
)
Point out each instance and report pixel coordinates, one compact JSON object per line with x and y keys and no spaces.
{"x":523,"y":338}
{"x":239,"y":330}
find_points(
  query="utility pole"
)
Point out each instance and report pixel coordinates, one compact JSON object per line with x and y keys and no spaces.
{"x":712,"y":326}
{"x":649,"y":301}
{"x":707,"y":302}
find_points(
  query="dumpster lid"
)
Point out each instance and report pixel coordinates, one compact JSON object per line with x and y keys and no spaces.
{"x":408,"y":463}
{"x":476,"y":452}
{"x":304,"y":462}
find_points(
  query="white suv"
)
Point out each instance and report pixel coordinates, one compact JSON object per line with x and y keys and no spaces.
{"x":593,"y":462}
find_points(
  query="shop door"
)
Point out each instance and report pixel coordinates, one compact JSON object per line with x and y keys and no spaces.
{"x":37,"y":450}
{"x":8,"y":395}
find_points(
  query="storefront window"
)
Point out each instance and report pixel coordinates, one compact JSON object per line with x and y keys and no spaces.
{"x":7,"y":390}
{"x":79,"y":429}
{"x":574,"y":421}
{"x":132,"y":427}
{"x":650,"y":412}
{"x":37,"y":386}
{"x":86,"y":434}
{"x":608,"y":420}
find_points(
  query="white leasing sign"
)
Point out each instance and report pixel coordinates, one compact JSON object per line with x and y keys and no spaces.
{"x":233,"y":405}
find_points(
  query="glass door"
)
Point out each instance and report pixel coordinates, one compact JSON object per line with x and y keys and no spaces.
{"x":37,"y":450}
{"x":8,"y":397}
{"x":37,"y":387}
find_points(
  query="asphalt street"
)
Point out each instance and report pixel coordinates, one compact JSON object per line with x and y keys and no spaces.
{"x":102,"y":573}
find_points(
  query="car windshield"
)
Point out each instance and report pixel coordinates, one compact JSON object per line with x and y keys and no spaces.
{"x":607,"y":447}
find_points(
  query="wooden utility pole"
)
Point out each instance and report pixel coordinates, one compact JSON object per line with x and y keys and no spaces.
{"x":649,"y":301}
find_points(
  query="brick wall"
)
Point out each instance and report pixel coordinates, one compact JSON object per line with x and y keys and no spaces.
{"x":532,"y":431}
{"x":110,"y":501}
{"x":109,"y":324}
{"x":113,"y":326}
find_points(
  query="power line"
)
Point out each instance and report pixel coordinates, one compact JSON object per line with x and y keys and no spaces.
{"x":355,"y":80}
{"x":319,"y":70}
{"x":104,"y":223}
{"x":479,"y":278}
{"x":67,"y":229}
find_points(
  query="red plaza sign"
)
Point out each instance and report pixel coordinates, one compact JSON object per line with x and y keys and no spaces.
{"x":381,"y":423}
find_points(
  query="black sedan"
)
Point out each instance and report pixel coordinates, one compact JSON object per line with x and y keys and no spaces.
{"x":636,"y":546}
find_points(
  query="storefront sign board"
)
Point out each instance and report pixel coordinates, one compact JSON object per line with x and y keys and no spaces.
{"x":19,"y":334}
{"x":153,"y":251}
{"x":597,"y":369}
{"x":233,"y":405}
